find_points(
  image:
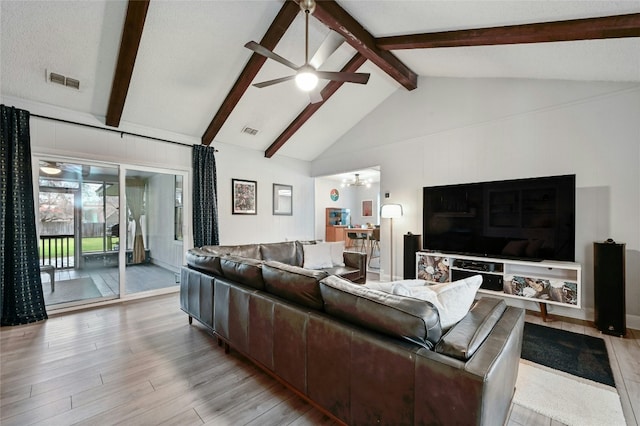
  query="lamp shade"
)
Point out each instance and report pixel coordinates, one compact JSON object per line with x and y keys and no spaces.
{"x":391,"y":211}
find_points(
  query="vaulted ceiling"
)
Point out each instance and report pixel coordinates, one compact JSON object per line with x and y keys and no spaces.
{"x":180,"y":66}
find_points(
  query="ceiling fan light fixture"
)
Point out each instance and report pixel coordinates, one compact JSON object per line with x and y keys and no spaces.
{"x":357,"y":182}
{"x":308,"y":6}
{"x":50,"y":168}
{"x":306,"y":80}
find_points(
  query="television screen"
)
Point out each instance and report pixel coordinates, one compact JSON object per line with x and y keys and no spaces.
{"x":531,"y":219}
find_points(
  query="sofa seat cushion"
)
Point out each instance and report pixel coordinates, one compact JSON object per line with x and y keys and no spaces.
{"x":285,"y":252}
{"x":464,"y":338}
{"x":243,"y":270}
{"x":402,"y":317}
{"x":293,"y":283}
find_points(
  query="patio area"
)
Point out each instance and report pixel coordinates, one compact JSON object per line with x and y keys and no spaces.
{"x":76,"y":285}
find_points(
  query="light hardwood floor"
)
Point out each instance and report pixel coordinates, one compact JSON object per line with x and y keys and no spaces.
{"x":141,"y":363}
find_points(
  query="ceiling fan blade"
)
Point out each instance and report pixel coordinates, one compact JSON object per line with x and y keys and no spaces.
{"x":326,"y":49}
{"x":274,"y":81}
{"x":349,"y":77}
{"x":315,"y":96}
{"x":261,"y":50}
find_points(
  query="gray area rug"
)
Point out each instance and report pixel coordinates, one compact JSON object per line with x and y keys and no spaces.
{"x":70,"y":290}
{"x":578,"y":354}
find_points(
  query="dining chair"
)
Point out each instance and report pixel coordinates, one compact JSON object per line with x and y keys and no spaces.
{"x":357,"y":240}
{"x":374,"y":243}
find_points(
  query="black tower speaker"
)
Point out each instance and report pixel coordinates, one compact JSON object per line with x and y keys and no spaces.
{"x":609,"y":283}
{"x":411,"y":247}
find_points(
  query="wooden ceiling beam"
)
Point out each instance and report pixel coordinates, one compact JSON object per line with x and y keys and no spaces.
{"x":271,"y":38}
{"x":335,"y":17}
{"x":131,"y":35}
{"x":617,"y":26}
{"x":328,"y":91}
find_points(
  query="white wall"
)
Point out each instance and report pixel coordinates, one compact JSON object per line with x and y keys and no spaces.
{"x":363,"y":193}
{"x":469,"y":130}
{"x":239,"y":163}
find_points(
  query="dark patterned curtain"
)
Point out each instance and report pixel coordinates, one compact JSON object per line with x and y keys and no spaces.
{"x":21,"y":298}
{"x":205,"y":197}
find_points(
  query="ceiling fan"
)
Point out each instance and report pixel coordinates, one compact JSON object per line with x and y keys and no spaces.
{"x":307,"y":75}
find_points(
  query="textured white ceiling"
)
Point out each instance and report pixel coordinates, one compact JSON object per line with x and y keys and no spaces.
{"x":191,"y":53}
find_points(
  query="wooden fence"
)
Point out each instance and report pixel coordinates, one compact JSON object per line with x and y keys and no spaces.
{"x":66,"y":228}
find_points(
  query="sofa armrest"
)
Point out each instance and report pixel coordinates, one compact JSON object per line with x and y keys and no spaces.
{"x":464,"y":338}
{"x":358,"y":260}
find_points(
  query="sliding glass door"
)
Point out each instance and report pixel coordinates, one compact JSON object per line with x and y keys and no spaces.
{"x":78,"y":216}
{"x":108,"y":231}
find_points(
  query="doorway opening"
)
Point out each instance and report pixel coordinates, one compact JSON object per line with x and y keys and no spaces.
{"x":348,"y":209}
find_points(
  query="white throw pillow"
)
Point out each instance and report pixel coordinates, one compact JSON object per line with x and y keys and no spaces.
{"x":410,"y":283}
{"x":376,"y":285}
{"x":317,"y":256}
{"x":337,"y":250}
{"x":400,"y":289}
{"x":452,"y":300}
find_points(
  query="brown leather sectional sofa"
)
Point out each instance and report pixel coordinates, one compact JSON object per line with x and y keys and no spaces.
{"x":362,"y":355}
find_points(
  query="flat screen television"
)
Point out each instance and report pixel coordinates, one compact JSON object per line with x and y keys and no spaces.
{"x":529,"y":219}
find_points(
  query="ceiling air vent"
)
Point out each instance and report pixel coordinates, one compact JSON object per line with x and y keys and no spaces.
{"x":56,"y":78}
{"x":65,"y":81}
{"x":72,"y":82}
{"x":250,"y":131}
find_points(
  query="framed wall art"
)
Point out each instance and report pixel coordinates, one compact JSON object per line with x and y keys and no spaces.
{"x":244,"y":196}
{"x":282,"y":200}
{"x":367,"y":208}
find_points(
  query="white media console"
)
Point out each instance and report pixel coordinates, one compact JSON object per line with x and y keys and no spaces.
{"x":544,"y":282}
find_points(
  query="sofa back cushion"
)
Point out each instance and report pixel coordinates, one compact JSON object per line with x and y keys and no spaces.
{"x":296,"y":284}
{"x":243,"y":270}
{"x":251,"y":251}
{"x":205,"y":260}
{"x":402,"y":317}
{"x":285,"y":252}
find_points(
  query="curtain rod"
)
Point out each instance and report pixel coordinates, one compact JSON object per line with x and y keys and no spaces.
{"x":112,"y":130}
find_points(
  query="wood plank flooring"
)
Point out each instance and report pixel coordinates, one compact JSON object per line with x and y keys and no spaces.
{"x":140,"y":363}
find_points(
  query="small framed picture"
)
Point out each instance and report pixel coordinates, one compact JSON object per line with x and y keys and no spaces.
{"x":282,"y":200}
{"x":367,"y":208}
{"x":245,"y":196}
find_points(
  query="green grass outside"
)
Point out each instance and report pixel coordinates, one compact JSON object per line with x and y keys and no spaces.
{"x":92,"y":244}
